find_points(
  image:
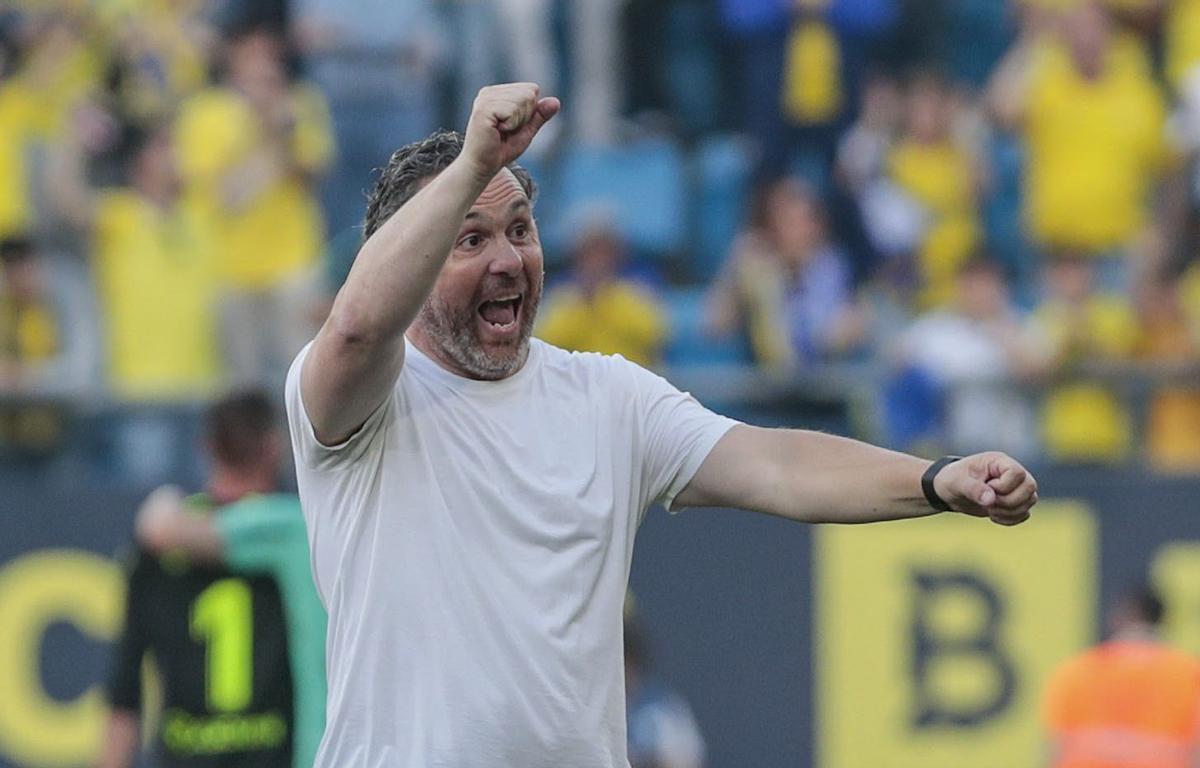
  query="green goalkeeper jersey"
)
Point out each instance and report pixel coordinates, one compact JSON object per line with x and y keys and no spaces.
{"x":266,"y":534}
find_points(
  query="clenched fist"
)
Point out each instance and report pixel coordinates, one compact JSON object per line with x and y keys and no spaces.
{"x":989,"y":485}
{"x":504,"y":120}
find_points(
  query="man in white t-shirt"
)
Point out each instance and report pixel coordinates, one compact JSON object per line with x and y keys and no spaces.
{"x":472,"y":495}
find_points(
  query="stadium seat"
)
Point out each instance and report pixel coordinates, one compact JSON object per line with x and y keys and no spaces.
{"x":691,"y":69}
{"x":642,"y":185}
{"x":723,"y":166}
{"x":689,"y":344}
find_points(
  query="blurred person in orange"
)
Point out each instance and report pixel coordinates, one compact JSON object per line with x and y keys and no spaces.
{"x":786,"y":284}
{"x":932,"y":166}
{"x":150,"y":261}
{"x":1094,"y":120}
{"x":251,"y":150}
{"x":600,"y":311}
{"x":1073,"y":325}
{"x":1130,"y":702}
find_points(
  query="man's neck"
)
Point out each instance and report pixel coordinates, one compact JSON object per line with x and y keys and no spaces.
{"x":428,"y":347}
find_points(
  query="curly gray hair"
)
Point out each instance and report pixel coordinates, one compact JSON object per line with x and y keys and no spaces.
{"x":415,"y":163}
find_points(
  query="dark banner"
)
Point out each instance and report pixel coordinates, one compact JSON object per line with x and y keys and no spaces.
{"x":922,"y":643}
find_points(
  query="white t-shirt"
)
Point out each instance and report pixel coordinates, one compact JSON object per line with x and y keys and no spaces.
{"x":472,"y":544}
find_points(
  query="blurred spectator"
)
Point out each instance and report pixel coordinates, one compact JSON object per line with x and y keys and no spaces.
{"x":18,"y":121}
{"x":814,"y":89}
{"x":1093,"y":118}
{"x":44,"y":68}
{"x":1131,"y":701}
{"x":757,"y":31}
{"x":971,"y":351}
{"x":161,"y":52}
{"x":1170,"y":341}
{"x":1074,"y":324}
{"x":151,"y":262}
{"x":251,"y":151}
{"x":31,"y":351}
{"x":178,"y":611}
{"x":376,"y":62}
{"x":599,"y":311}
{"x":931,"y":167}
{"x":1182,"y":33}
{"x":860,"y":162}
{"x":785,"y":284}
{"x":865,"y":146}
{"x":661,"y":729}
{"x":258,"y":533}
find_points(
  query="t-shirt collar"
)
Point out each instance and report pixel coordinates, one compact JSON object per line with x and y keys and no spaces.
{"x":429,"y":367}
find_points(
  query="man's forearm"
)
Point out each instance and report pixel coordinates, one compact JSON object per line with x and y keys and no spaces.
{"x":398,"y":265}
{"x":360,"y":350}
{"x":846,"y":481}
{"x":808,"y":476}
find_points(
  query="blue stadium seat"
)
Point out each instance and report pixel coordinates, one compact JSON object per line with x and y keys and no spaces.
{"x":723,"y":168}
{"x":689,"y":344}
{"x":691,"y":68}
{"x":642,"y":185}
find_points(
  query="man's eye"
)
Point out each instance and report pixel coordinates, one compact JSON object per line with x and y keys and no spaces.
{"x":519,"y":231}
{"x":470,"y":241}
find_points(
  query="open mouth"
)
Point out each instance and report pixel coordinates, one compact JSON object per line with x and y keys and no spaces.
{"x":501,"y":313}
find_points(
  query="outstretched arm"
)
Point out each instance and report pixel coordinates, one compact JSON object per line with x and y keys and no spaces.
{"x":163,"y":524}
{"x":819,"y":478}
{"x":358,"y":353}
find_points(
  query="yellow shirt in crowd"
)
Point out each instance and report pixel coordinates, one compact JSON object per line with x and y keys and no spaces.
{"x":18,"y":115}
{"x":941,"y":177}
{"x":1084,"y":421}
{"x":619,"y":319}
{"x":1094,"y":149}
{"x":28,"y":331}
{"x":153,"y":274}
{"x":279,"y":233}
{"x":1173,"y":421}
{"x":1182,"y":33}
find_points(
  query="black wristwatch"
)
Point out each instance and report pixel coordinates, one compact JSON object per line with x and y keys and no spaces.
{"x":935,"y":501}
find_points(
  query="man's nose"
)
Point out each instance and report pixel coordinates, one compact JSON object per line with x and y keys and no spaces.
{"x":505,"y":260}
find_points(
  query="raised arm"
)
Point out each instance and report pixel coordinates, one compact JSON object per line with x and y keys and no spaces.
{"x":819,"y":478}
{"x":358,"y":353}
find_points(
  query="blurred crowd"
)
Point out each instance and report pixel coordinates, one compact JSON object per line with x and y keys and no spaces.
{"x":991,"y":208}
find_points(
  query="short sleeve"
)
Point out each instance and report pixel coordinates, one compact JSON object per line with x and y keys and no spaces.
{"x":677,"y":435}
{"x":125,"y":679}
{"x":309,"y":451}
{"x":261,"y":532}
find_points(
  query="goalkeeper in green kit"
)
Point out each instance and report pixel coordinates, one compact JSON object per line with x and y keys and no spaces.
{"x":260,"y":533}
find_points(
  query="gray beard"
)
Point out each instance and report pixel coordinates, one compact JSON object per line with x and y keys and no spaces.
{"x":456,"y":335}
